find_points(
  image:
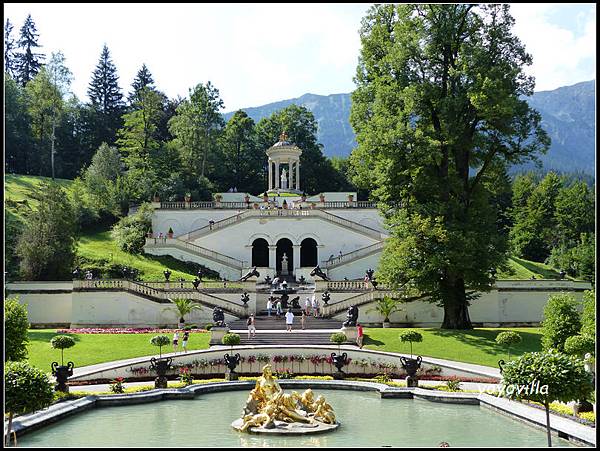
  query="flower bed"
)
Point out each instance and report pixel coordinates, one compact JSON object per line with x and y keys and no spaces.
{"x":123,"y":331}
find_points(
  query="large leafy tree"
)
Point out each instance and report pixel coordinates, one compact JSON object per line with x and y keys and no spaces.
{"x":243,"y":160}
{"x":197,"y":127}
{"x":106,"y":100}
{"x":46,"y":247}
{"x":439,"y":108}
{"x":28,"y":62}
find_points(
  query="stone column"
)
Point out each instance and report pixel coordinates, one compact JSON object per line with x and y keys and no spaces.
{"x":298,"y":175}
{"x":296,"y":256}
{"x":272,"y":256}
{"x":270,"y":174}
{"x":277,"y":179}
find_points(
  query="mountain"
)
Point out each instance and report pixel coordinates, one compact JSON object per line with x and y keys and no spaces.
{"x":568,"y":115}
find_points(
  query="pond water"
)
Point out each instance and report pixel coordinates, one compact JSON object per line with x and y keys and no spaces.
{"x":366,"y":420}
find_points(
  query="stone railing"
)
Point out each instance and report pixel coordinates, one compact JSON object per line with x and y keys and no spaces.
{"x":352,"y":256}
{"x":198,"y":250}
{"x":351,"y":225}
{"x":347,"y":204}
{"x":181,"y":205}
{"x":359,"y":299}
{"x":163,"y":295}
{"x":214,"y":226}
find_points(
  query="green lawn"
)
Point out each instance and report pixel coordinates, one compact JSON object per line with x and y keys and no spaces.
{"x":470,"y":346}
{"x":523,"y":269}
{"x":98,"y":348}
{"x":100,"y":246}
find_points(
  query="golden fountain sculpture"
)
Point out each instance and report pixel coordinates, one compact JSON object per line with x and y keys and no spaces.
{"x":270,"y":410}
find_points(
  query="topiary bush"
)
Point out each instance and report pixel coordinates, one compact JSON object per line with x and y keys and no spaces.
{"x":580,"y":345}
{"x":62,"y":342}
{"x":561,"y":321}
{"x":160,"y":341}
{"x":411,"y":336}
{"x":338,"y":338}
{"x":231,"y":339}
{"x":16,"y":325}
{"x":508,"y":338}
{"x":26,"y":389}
{"x":548,"y":376}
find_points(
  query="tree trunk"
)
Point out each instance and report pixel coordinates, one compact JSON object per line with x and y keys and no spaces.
{"x":456,"y":310}
{"x":548,"y":423}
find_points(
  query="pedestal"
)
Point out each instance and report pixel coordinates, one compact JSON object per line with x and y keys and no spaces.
{"x":216,"y":335}
{"x":351,"y":333}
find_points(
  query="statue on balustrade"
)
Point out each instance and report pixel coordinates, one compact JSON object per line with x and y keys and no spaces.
{"x":252,"y":272}
{"x":317,"y":271}
{"x":352,"y":317}
{"x":219,"y":317}
{"x":295,"y":303}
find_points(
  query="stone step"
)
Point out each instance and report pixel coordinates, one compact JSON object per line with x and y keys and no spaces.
{"x":297,"y":337}
{"x":274,"y":323}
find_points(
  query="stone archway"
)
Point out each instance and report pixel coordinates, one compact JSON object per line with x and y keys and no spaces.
{"x":308,"y":253}
{"x":260,"y":253}
{"x":284,"y":245}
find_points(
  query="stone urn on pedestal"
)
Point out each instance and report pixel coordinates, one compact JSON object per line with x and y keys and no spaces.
{"x":411,"y":365}
{"x":160,"y":365}
{"x":62,"y":371}
{"x":340,"y":359}
{"x":231,"y":360}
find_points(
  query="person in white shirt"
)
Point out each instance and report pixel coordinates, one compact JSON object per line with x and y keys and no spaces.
{"x":269,"y":307}
{"x":315,"y":306}
{"x":289,"y":320}
{"x":307,"y":306}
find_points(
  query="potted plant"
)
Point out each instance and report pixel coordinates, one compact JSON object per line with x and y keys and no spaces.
{"x":188,"y":197}
{"x":61,"y":371}
{"x":385,"y":307}
{"x":218,"y":197}
{"x":182,"y":308}
{"x":322,"y":197}
{"x":339,"y":360}
{"x":170,"y":233}
{"x":160,"y":365}
{"x":231,"y":361}
{"x":411,"y":365}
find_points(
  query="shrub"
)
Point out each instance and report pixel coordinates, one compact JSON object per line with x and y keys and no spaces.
{"x":410,"y":336}
{"x":62,"y":342}
{"x":588,"y":316}
{"x":15,"y":330}
{"x":561,"y":321}
{"x":185,"y":376}
{"x":209,"y":326}
{"x":160,"y":341}
{"x":26,"y":389}
{"x":560,"y":377}
{"x":130,"y":232}
{"x":579,"y":345}
{"x":508,"y":338}
{"x":231,"y":339}
{"x":338,"y":338}
{"x":453,"y":385}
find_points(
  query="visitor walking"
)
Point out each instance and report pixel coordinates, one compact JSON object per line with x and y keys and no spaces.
{"x":251,"y":326}
{"x":175,"y":340}
{"x":315,"y":306}
{"x":289,"y":320}
{"x":186,"y":336}
{"x":307,"y":306}
{"x":359,"y":336}
{"x":269,"y":306}
{"x":278,"y":308}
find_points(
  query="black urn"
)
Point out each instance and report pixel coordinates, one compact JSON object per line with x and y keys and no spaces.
{"x":339,"y":361}
{"x":161,"y":366}
{"x":231,"y":361}
{"x":62,"y":373}
{"x":411,"y":366}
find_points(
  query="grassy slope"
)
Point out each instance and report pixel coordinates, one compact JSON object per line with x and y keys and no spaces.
{"x":90,"y":349}
{"x":471,"y":346}
{"x":99,"y":245}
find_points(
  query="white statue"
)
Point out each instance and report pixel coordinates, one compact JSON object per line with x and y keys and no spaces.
{"x":283,"y":179}
{"x":284,"y":265}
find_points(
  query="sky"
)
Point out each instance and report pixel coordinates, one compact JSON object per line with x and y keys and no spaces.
{"x":261,"y":53}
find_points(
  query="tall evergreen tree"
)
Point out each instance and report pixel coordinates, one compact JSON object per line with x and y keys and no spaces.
{"x":18,"y":143}
{"x":27,"y":62}
{"x":143,"y":79}
{"x":9,"y":49}
{"x":439,"y":105}
{"x":106,"y":100}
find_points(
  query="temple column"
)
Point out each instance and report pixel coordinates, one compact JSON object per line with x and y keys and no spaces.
{"x":277,"y":180}
{"x":298,"y":175}
{"x":272,"y":256}
{"x":270,"y":174}
{"x":296,"y":256}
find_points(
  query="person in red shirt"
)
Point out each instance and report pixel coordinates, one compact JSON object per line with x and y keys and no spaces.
{"x":359,"y":338}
